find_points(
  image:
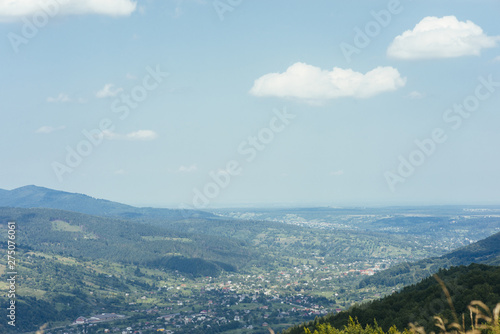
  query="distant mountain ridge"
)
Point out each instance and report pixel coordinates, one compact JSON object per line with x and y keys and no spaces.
{"x":39,"y":197}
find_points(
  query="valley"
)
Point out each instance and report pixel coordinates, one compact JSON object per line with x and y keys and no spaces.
{"x":230,"y":271}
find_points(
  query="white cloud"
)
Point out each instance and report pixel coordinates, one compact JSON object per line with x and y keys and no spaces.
{"x":187,"y":169}
{"x":416,"y":95}
{"x":13,"y":9}
{"x":49,"y":129}
{"x":313,"y":84}
{"x":496,"y":59}
{"x":108,"y":91}
{"x":120,"y":172}
{"x":61,"y":98}
{"x":140,"y":135}
{"x":337,"y":173}
{"x":444,"y":37}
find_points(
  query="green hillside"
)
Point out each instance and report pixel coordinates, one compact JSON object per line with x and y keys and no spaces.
{"x":39,"y":197}
{"x":485,"y":251}
{"x":71,"y":264}
{"x":98,"y":238}
{"x":419,"y":303}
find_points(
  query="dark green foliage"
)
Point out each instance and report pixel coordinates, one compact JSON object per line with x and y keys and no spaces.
{"x":31,"y":312}
{"x":419,"y":303}
{"x":117,"y":240}
{"x":193,"y":266}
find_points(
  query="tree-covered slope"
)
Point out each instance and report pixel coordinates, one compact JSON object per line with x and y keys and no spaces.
{"x":39,"y":197}
{"x":485,"y":251}
{"x":71,"y":264}
{"x":419,"y":303}
{"x":91,"y":237}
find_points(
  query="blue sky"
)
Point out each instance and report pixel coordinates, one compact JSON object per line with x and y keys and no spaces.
{"x":265,"y":102}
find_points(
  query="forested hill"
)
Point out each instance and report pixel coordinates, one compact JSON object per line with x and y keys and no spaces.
{"x":419,"y":303}
{"x":486,"y":251}
{"x":39,"y":197}
{"x":89,"y":237}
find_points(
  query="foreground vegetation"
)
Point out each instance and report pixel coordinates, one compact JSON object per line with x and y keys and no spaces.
{"x":482,"y":321}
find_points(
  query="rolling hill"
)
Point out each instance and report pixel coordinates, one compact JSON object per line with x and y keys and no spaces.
{"x":38,"y":197}
{"x":92,"y":238}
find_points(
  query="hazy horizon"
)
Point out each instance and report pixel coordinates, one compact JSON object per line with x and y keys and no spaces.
{"x":285,"y":205}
